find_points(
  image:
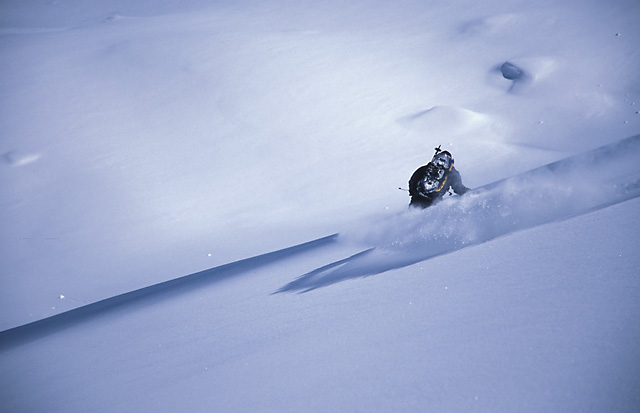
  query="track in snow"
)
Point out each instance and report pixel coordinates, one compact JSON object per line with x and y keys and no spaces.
{"x":569,"y":187}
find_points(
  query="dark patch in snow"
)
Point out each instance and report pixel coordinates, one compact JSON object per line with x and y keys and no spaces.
{"x":511,"y":71}
{"x":515,"y":74}
{"x":112,"y":17}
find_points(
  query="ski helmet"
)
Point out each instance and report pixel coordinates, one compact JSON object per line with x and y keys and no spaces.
{"x":443,"y":159}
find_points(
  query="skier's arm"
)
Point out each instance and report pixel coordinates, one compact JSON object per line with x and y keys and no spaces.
{"x":456,"y":183}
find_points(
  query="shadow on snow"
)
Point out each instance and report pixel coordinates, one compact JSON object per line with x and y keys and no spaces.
{"x":20,"y":335}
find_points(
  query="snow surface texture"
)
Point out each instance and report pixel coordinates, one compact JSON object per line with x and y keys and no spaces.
{"x":145,"y":141}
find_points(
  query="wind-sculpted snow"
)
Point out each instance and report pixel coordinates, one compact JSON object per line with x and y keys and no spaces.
{"x":563,"y":189}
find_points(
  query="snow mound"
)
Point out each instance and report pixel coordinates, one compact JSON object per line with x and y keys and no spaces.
{"x":19,"y":158}
{"x":536,"y":68}
{"x":446,"y":120}
{"x":489,"y":25}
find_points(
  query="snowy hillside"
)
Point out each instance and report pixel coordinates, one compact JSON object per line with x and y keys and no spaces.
{"x":172,"y":173}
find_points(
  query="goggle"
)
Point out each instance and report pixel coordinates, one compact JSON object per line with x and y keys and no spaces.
{"x":442,"y":161}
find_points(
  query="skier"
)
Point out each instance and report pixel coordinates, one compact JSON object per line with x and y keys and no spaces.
{"x":431,"y":182}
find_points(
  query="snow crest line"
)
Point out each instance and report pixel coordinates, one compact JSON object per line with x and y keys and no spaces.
{"x":558,"y":191}
{"x":142,"y":297}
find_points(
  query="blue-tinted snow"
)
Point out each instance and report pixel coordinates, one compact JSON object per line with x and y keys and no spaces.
{"x":146,"y":141}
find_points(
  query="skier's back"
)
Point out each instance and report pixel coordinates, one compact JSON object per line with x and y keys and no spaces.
{"x":431,"y":182}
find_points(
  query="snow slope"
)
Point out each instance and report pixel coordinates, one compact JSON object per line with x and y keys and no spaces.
{"x":146,"y":141}
{"x":572,"y":186}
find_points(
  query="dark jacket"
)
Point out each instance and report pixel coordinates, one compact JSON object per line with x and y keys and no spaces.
{"x":429,"y":184}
